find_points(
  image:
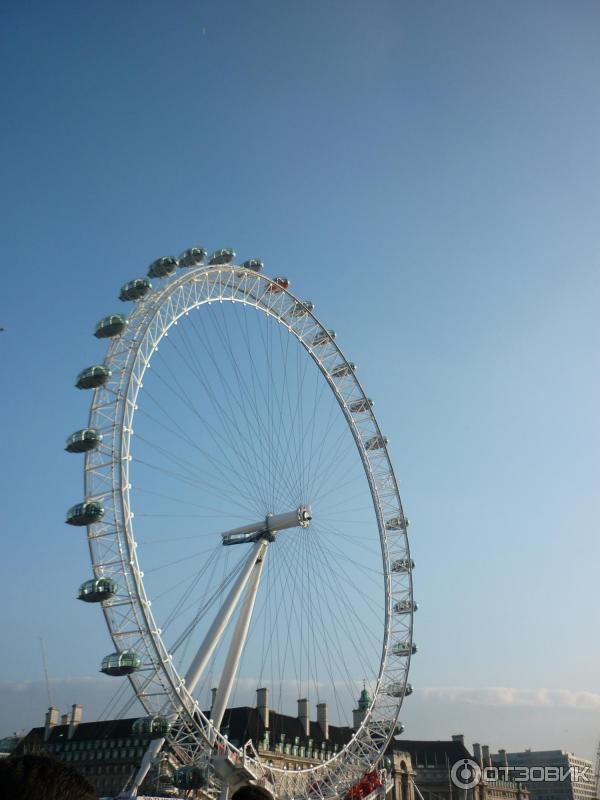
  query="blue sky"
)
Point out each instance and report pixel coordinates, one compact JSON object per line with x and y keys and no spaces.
{"x":429,"y":174}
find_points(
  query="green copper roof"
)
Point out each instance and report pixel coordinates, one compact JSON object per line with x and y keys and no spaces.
{"x":364,"y":701}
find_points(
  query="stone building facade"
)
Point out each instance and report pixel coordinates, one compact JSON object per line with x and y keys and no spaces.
{"x":554,"y":774}
{"x":107,"y":753}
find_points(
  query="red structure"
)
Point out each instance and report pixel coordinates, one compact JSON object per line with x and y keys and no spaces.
{"x":367,"y":784}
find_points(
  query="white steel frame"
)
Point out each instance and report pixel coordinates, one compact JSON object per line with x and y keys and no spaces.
{"x":158,"y":685}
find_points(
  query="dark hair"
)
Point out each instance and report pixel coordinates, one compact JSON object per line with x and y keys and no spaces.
{"x":34,"y":777}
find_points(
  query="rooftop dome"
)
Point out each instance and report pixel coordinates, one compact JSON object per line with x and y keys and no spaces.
{"x":364,"y":701}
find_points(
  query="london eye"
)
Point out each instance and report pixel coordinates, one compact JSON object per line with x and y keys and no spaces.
{"x":244,"y":524}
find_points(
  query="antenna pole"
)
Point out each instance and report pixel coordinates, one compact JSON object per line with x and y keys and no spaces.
{"x":45,"y":663}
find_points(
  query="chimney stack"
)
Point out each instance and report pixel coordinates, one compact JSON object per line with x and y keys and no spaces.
{"x":458,"y":737}
{"x":485,"y":752}
{"x":64,"y":720}
{"x":477,"y":753}
{"x":262,"y":704}
{"x":322,"y":719}
{"x":303,"y":715}
{"x":503,"y":758}
{"x":76,"y":710}
{"x":51,"y":720}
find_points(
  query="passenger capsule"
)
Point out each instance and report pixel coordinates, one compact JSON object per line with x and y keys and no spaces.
{"x":253,"y":264}
{"x":154,"y":727}
{"x":360,"y":406}
{"x":135,"y":290}
{"x":403,"y":565}
{"x":278,"y":285}
{"x":93,"y":377}
{"x":189,"y":777}
{"x":405,"y":606}
{"x":123,"y":663}
{"x":96,"y":590}
{"x":221,"y":257}
{"x":162,"y":267}
{"x":111,"y":326}
{"x":342,"y":370}
{"x":397,"y":523}
{"x":404,"y":649}
{"x":376,"y":442}
{"x":395,"y":728}
{"x":323,"y":337}
{"x":85,"y":513}
{"x":83,"y":441}
{"x":300,"y":308}
{"x":399,"y":689}
{"x":194,"y":257}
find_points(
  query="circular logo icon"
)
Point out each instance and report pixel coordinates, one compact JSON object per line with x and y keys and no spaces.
{"x":465,"y":773}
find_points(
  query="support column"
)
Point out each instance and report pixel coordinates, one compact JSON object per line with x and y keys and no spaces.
{"x":215,"y":631}
{"x":203,"y":655}
{"x":238,"y":641}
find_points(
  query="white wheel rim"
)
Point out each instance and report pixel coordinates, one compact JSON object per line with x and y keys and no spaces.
{"x":113,"y":548}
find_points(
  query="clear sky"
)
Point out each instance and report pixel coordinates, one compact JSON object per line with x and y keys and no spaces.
{"x":429,"y":174}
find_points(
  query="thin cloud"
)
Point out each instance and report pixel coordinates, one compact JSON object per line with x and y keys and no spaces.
{"x":508,"y":696}
{"x":29,"y":686}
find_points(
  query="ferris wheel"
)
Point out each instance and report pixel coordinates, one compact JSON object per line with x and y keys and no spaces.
{"x":245,"y":529}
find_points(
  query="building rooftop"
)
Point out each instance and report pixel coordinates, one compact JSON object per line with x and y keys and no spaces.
{"x":86,"y":731}
{"x":439,"y":751}
{"x":245,"y":723}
